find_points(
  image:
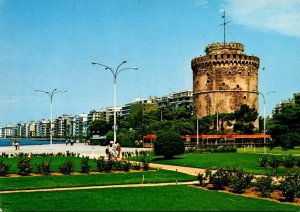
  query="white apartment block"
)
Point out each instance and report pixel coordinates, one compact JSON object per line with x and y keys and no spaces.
{"x":80,"y":125}
{"x":8,"y":131}
{"x":176,"y":99}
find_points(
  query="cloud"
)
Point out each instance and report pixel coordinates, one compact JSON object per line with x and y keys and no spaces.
{"x":281,"y":16}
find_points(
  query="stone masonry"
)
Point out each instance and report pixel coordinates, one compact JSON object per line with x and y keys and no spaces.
{"x":224,"y":79}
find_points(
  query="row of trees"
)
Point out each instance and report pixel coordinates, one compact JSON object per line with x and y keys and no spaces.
{"x":180,"y":120}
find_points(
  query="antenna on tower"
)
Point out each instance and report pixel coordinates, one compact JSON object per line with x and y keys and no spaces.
{"x":224,"y":25}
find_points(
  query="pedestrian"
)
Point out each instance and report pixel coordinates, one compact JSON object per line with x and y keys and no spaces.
{"x":114,"y":149}
{"x":19,"y":144}
{"x":107,"y":150}
{"x":16,"y":145}
{"x":72,"y":141}
{"x":119,"y":149}
{"x":67,"y":141}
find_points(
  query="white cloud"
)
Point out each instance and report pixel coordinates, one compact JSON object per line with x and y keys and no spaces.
{"x":282,"y":16}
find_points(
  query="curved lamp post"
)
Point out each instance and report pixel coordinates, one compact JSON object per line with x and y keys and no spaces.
{"x":50,"y":94}
{"x":115,"y":74}
{"x":265,"y":117}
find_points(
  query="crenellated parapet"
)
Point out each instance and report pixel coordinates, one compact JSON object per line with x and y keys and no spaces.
{"x":225,"y":59}
{"x":217,"y":48}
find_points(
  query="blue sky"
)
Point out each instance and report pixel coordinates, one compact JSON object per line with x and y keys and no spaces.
{"x":47,"y":44}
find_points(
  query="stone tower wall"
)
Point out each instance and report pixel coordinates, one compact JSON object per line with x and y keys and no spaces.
{"x":224,"y":79}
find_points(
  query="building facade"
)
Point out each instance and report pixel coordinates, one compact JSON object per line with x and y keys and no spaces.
{"x":224,"y":79}
{"x":176,"y":99}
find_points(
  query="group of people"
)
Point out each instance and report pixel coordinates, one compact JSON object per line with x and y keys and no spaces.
{"x":114,"y":150}
{"x":70,"y":141}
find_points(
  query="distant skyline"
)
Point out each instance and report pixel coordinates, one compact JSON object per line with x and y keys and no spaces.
{"x":48,"y":44}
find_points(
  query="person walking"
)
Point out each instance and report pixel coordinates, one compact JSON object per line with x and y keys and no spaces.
{"x":119,"y":149}
{"x":114,"y":150}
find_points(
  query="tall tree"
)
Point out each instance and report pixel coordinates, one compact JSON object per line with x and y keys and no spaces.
{"x":285,"y":127}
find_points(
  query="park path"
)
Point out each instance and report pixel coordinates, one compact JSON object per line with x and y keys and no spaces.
{"x":183,"y":169}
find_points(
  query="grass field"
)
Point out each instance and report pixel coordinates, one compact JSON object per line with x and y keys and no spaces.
{"x":164,"y":198}
{"x":276,"y":150}
{"x":30,"y":182}
{"x":248,"y":162}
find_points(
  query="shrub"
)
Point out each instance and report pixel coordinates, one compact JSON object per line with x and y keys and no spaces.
{"x":264,"y":185}
{"x":263,"y":162}
{"x":4,"y":155}
{"x":103,"y":165}
{"x":4,"y":167}
{"x":201,"y":178}
{"x":288,"y":162}
{"x":145,"y":163}
{"x":290,"y":186}
{"x":125,"y":166}
{"x":211,"y":149}
{"x":121,"y":165}
{"x":274,"y":162}
{"x":84,"y":164}
{"x":220,"y":178}
{"x":24,"y":166}
{"x":136,"y":166}
{"x":44,"y":167}
{"x":100,"y":164}
{"x":168,"y":144}
{"x":66,"y":168}
{"x":240,"y":181}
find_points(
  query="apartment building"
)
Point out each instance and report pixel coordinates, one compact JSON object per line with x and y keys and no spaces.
{"x":176,"y":99}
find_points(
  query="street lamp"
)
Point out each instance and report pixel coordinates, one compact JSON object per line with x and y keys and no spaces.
{"x":264,"y":130}
{"x":50,"y":94}
{"x":115,"y":74}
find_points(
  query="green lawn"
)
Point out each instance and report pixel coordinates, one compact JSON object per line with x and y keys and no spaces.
{"x":164,"y":198}
{"x":276,"y":150}
{"x":28,"y":182}
{"x":248,"y":162}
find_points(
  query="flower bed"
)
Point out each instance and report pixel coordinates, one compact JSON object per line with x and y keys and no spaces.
{"x":283,"y":189}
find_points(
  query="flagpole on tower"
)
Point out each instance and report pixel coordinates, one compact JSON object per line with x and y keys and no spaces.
{"x":224,"y":25}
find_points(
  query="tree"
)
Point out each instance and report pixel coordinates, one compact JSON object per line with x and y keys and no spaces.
{"x":99,"y":127}
{"x":245,"y":117}
{"x":285,"y":127}
{"x":168,"y":144}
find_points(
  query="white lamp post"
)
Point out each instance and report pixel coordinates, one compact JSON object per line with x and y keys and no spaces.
{"x":50,"y":94}
{"x":115,"y":74}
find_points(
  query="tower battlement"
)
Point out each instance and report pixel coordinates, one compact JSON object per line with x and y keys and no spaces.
{"x":217,"y":48}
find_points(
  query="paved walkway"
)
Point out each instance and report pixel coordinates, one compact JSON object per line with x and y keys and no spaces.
{"x":183,"y":169}
{"x":81,"y":148}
